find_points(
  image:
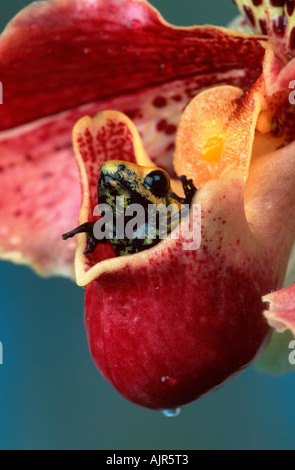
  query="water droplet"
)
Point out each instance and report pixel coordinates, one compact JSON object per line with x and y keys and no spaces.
{"x":168,"y":380}
{"x":172,"y":413}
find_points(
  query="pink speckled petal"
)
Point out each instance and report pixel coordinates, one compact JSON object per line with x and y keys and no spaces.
{"x":75,"y":58}
{"x":281,"y":311}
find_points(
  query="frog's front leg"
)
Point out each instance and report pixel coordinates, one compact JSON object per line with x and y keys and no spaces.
{"x":189,"y":191}
{"x":87,"y":228}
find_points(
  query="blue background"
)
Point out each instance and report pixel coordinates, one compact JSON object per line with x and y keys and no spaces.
{"x":52,"y":396}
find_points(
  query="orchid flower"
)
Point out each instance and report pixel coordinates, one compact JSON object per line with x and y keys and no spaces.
{"x":110,"y":79}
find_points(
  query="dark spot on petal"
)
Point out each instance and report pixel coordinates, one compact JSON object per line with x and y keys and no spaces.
{"x":131,"y":113}
{"x":263,"y":27}
{"x":277,"y":3}
{"x":47,"y":175}
{"x":249,"y":14}
{"x":170,"y":129}
{"x":63,"y":146}
{"x":177,"y":97}
{"x":256,"y":3}
{"x":279,"y":25}
{"x":292,"y":39}
{"x":159,"y":102}
{"x":170,"y":147}
{"x":290,"y":6}
{"x":161,"y":125}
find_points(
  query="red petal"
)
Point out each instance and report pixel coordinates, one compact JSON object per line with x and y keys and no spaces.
{"x":111,"y":54}
{"x":73,"y":52}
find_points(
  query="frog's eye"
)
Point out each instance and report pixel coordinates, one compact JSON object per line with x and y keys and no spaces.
{"x":157,"y":182}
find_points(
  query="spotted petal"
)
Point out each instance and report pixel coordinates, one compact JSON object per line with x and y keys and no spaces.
{"x":272,"y":17}
{"x":76,"y":58}
{"x":276,"y":19}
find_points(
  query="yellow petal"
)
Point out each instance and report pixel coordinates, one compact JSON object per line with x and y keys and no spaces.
{"x":216,"y":132}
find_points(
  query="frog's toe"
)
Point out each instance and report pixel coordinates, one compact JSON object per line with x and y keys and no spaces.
{"x":188,"y":188}
{"x":92,"y":243}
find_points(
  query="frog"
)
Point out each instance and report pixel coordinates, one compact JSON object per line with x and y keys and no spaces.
{"x":150,"y":187}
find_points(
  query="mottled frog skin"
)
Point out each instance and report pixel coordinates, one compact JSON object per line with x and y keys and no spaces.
{"x":141,"y":185}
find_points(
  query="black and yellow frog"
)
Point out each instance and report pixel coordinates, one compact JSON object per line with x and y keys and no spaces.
{"x":150,"y":189}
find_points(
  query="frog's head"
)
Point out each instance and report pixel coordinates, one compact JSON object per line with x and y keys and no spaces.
{"x":137,"y":184}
